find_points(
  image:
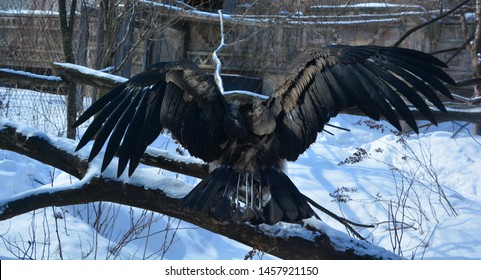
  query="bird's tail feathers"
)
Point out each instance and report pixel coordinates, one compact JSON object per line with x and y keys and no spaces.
{"x":286,"y":203}
{"x":267,"y":197}
{"x":212,"y":194}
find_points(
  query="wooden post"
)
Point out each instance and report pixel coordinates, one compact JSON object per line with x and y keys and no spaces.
{"x":67,"y":22}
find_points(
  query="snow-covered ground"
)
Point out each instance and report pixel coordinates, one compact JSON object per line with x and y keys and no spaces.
{"x":428,"y":183}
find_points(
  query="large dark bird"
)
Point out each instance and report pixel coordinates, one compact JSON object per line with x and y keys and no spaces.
{"x":246,"y":139}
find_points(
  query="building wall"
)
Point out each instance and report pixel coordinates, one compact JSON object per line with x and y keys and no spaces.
{"x":29,"y":42}
{"x":33,"y":41}
{"x":267,"y":54}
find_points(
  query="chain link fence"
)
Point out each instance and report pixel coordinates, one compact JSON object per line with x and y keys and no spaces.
{"x":43,"y":110}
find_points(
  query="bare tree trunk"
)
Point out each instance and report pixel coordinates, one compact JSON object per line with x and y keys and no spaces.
{"x":67,"y":22}
{"x":125,"y":38}
{"x":82,"y":50}
{"x":476,"y":57}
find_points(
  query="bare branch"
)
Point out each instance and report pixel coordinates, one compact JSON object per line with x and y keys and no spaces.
{"x":467,"y":100}
{"x":46,"y":149}
{"x":29,"y":79}
{"x":469,"y":82}
{"x":215,"y":57}
{"x":87,"y":76}
{"x":433,"y":20}
{"x":40,"y":147}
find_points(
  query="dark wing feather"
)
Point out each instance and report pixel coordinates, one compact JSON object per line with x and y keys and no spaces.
{"x":177,"y":96}
{"x":324,"y":82}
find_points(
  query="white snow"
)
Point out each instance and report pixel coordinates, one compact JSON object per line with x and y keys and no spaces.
{"x":15,"y":12}
{"x":437,"y":170}
{"x":471,"y":17}
{"x":174,"y":156}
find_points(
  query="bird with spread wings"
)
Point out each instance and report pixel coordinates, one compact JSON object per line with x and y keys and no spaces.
{"x":247,"y":139}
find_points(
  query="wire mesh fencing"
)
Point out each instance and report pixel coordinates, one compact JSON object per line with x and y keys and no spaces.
{"x":46,"y":111}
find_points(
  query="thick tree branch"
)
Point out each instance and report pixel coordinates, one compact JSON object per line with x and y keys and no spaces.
{"x":469,"y":82}
{"x":28,"y":79}
{"x":48,"y":150}
{"x":88,"y":76}
{"x":40,"y":147}
{"x":317,"y":245}
{"x":295,"y":246}
{"x":162,"y":159}
{"x":65,"y":72}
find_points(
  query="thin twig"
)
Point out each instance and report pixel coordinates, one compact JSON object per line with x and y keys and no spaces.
{"x":60,"y":253}
{"x":215,"y":57}
{"x":433,"y":20}
{"x":347,"y":223}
